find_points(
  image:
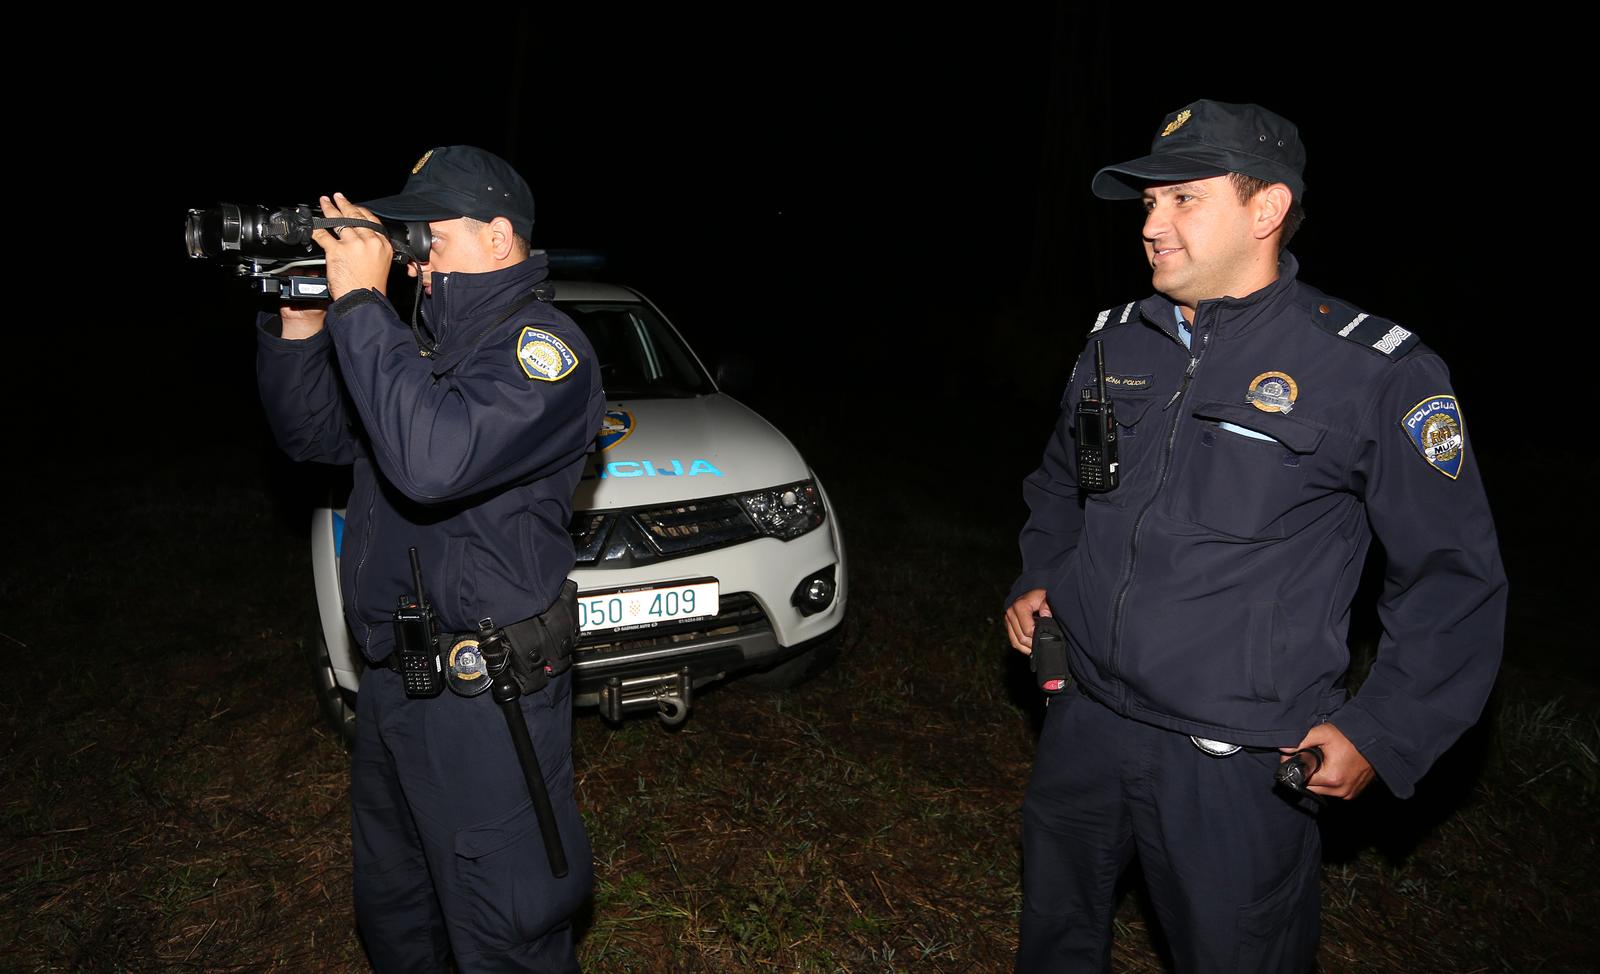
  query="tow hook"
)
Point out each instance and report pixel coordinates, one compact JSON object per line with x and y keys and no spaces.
{"x":673,"y":710}
{"x":668,"y":694}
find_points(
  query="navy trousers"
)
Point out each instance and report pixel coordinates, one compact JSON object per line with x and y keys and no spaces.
{"x":1233,"y":866}
{"x":449,"y":860}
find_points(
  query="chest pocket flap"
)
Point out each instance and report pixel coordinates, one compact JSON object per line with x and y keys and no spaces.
{"x":1299,"y":435}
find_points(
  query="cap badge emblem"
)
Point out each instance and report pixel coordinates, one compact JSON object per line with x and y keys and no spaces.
{"x":1176,"y":123}
{"x":422,"y":162}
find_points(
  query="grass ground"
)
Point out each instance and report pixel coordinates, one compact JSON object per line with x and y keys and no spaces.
{"x":171,"y":802}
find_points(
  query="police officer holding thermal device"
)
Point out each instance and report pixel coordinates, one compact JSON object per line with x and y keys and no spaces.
{"x":1227,"y":450}
{"x":467,"y":432}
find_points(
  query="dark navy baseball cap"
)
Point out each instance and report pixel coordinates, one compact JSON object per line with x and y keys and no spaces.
{"x":461,"y":180}
{"x":1212,"y":138}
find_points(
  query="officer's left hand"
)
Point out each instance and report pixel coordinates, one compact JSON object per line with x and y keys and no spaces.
{"x":1344,"y":772}
{"x":357,"y":258}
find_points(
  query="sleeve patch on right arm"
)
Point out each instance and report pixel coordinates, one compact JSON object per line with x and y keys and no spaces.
{"x":543,"y":356}
{"x":1435,"y":428}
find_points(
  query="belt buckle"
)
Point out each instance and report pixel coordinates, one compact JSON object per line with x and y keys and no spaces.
{"x":1217,"y":749}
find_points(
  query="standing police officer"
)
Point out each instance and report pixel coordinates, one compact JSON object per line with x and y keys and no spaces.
{"x":467,"y":440}
{"x":1265,"y":433}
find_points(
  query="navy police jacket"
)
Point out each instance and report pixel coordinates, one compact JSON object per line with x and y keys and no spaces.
{"x":1210,"y":592}
{"x":471,"y":455}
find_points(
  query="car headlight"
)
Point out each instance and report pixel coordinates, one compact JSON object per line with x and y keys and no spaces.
{"x":785,"y":512}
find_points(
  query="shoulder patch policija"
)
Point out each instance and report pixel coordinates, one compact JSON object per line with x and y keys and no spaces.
{"x":1434,"y":425}
{"x":543,"y":356}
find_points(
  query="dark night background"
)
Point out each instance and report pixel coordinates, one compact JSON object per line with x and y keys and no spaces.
{"x":892,"y":217}
{"x":900,"y":208}
{"x":889,"y":213}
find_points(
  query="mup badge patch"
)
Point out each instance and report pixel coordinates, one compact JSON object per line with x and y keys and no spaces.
{"x":543,"y":356}
{"x":1273,"y":392}
{"x":1434,"y":425}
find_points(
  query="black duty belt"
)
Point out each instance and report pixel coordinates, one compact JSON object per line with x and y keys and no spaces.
{"x":539,"y":648}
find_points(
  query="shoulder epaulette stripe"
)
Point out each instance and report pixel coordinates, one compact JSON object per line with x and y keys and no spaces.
{"x":1347,"y":329}
{"x":1391,"y":340}
{"x":1105,"y":316}
{"x":1379,"y":334}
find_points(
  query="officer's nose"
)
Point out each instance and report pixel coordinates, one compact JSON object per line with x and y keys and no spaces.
{"x":1155,"y":223}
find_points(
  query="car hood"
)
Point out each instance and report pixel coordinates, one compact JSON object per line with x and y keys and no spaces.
{"x":654,"y":451}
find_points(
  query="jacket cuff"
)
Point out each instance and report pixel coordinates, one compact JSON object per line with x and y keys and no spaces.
{"x":355,"y":299}
{"x":1027,"y":582}
{"x":1370,"y":737}
{"x":269,"y":336}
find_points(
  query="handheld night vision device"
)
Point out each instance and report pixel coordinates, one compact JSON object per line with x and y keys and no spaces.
{"x":267,"y":246}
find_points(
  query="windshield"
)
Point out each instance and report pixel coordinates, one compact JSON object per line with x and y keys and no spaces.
{"x":640,"y":357}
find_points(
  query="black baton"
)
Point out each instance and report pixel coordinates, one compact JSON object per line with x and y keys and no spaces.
{"x":506,"y":694}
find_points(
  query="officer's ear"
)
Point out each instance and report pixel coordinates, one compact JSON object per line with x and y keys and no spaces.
{"x":502,"y":238}
{"x":1270,"y":206}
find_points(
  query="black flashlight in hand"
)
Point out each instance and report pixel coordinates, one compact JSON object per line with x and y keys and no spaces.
{"x":1296,"y":772}
{"x":1049,"y":657}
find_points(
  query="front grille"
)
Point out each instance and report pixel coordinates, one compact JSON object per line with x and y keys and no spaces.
{"x":739,"y":615}
{"x":624,"y":539}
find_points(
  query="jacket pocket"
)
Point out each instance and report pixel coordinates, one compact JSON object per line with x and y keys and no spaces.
{"x":1268,"y":631}
{"x":1136,"y":441}
{"x":1241,"y":485}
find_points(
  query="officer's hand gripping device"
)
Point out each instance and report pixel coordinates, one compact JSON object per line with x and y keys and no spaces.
{"x":1097,"y":433}
{"x":476,"y":665}
{"x":1294,"y":774}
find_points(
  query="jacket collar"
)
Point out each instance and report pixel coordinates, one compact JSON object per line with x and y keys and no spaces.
{"x":1228,"y":316}
{"x":459,"y":297}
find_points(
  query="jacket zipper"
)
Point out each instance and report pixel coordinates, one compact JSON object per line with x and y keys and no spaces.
{"x":442,"y":286}
{"x":1119,"y":604}
{"x":366,"y":547}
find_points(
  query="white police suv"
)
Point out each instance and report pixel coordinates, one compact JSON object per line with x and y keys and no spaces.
{"x":705,"y":545}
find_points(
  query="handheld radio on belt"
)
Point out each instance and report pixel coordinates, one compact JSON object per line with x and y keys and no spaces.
{"x":478,"y":663}
{"x":416,"y":639}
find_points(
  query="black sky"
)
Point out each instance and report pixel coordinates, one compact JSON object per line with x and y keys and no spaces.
{"x":903,"y":198}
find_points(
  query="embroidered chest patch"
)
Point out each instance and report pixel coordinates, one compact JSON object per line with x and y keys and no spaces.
{"x":1273,"y":392}
{"x":543,"y":356}
{"x":1434,"y":425}
{"x":1130,"y":382}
